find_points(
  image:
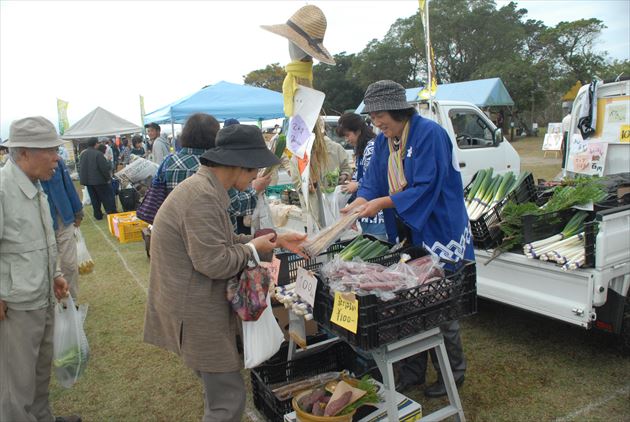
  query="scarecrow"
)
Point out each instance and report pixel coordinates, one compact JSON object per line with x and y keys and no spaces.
{"x":305,"y":31}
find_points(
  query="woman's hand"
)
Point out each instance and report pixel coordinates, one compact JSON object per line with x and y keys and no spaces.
{"x":60,"y":288}
{"x":350,"y":187}
{"x":375,"y":205}
{"x":291,"y":241}
{"x":356,"y":203}
{"x":263,"y":244}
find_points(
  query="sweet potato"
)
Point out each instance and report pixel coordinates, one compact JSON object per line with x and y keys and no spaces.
{"x":263,"y":232}
{"x":318,"y":409}
{"x":335,"y":406}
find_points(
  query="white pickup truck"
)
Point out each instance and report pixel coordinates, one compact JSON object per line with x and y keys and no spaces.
{"x":591,"y":297}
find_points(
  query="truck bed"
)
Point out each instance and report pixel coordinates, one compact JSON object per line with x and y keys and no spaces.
{"x":544,"y":288}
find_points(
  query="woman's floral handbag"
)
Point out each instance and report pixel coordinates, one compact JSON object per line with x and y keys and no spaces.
{"x":247,"y":293}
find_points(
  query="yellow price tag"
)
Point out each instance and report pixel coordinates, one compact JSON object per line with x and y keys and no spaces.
{"x":345,"y":311}
{"x":624,"y":135}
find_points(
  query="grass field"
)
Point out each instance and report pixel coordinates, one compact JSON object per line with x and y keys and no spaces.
{"x":521,"y":367}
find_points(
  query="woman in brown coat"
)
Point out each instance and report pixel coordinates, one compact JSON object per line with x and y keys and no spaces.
{"x":194,"y":252}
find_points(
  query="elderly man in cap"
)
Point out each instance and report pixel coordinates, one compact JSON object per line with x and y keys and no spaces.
{"x":30,"y":278}
{"x":194,"y":253}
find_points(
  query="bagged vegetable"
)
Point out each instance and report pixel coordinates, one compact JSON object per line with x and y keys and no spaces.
{"x":70,"y":346}
{"x":261,"y":338}
{"x":84,"y":259}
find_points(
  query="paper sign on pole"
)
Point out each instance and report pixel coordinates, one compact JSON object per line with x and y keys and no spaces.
{"x":345,"y":311}
{"x":306,"y":285}
{"x":307,"y":104}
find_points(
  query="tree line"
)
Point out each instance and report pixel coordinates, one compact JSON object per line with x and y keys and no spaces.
{"x":471,"y":39}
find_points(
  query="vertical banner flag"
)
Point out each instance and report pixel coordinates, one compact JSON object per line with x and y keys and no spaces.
{"x":428,"y":92}
{"x":142,"y":110}
{"x":62,"y":115}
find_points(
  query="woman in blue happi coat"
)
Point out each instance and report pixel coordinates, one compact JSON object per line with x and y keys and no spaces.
{"x":414,"y":179}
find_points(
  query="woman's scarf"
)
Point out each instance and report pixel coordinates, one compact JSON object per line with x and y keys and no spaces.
{"x":395,"y":171}
{"x":295,"y":69}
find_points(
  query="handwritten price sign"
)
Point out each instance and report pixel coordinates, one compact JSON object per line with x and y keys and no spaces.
{"x":298,"y":135}
{"x":624,"y":134}
{"x":306,"y":285}
{"x":345,"y":311}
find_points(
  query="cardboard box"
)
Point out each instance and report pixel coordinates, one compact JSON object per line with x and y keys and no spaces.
{"x":408,"y":410}
{"x":282,"y":316}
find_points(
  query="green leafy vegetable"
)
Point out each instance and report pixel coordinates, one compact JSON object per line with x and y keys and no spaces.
{"x":371,"y":396}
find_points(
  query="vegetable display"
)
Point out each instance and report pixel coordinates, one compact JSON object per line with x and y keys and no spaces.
{"x":488,"y":190}
{"x":291,"y":300}
{"x":338,"y":398}
{"x":363,"y":248}
{"x":565,"y":248}
{"x":583,"y":191}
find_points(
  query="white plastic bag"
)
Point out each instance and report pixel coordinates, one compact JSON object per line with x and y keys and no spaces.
{"x":70,"y":346}
{"x":84,"y":259}
{"x":261,"y":217}
{"x":86,"y":197}
{"x":261,"y":338}
{"x":333,"y":203}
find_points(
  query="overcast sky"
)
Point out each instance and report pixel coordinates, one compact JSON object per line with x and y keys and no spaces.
{"x":108,"y":53}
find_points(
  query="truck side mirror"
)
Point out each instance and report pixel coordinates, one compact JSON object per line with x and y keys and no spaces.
{"x":498,"y":136}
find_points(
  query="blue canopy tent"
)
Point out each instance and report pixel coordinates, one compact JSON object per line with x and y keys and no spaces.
{"x":223,"y":100}
{"x":482,"y":93}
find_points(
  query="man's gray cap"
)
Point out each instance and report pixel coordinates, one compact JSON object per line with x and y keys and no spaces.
{"x":33,"y":132}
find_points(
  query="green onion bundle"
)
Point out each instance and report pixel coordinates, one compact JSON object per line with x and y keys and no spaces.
{"x":487,"y":191}
{"x":565,"y":248}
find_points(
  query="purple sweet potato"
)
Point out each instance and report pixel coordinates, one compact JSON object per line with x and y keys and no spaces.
{"x":335,"y":406}
{"x":318,"y":409}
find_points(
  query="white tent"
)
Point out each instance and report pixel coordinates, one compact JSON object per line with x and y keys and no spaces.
{"x":100,"y":122}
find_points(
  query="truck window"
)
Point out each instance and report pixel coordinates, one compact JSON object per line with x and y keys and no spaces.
{"x":471,"y":130}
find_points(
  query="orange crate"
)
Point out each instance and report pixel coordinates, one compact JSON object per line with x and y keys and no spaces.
{"x":120,"y":215}
{"x":131,"y":231}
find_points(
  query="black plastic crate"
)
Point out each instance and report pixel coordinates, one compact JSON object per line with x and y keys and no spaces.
{"x":290,"y":262}
{"x":278,"y":371}
{"x":486,"y":229}
{"x":412,"y":311}
{"x":537,"y":227}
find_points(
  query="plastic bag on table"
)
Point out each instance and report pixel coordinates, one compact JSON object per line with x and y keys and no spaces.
{"x":84,"y":259}
{"x":86,"y":197}
{"x":261,"y":338}
{"x":261,"y":217}
{"x":71,"y":351}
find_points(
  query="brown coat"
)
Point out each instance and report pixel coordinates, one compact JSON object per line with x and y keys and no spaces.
{"x":194,"y":252}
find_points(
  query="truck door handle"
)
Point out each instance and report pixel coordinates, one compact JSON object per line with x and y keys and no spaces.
{"x":462,"y":164}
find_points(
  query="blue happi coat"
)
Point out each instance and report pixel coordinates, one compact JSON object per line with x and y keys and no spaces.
{"x":432,"y":204}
